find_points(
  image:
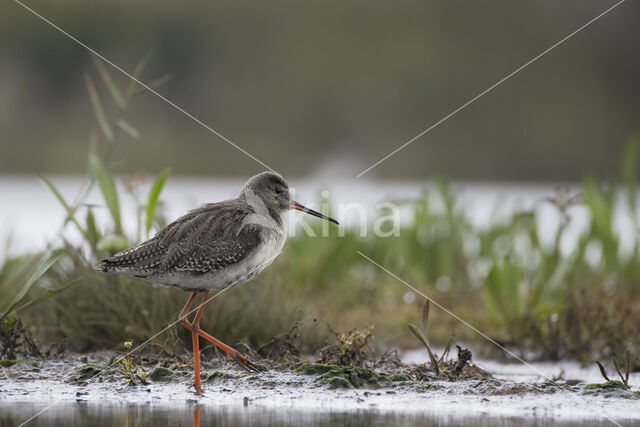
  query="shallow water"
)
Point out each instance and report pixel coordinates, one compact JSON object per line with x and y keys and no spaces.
{"x":83,"y":414}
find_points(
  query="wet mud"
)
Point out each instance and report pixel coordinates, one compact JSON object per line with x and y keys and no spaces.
{"x":459,"y":388}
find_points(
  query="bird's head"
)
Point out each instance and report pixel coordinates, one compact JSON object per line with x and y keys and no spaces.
{"x":273,"y":191}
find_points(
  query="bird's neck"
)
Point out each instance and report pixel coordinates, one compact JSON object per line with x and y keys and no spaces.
{"x":276,"y":216}
{"x":261,"y":206}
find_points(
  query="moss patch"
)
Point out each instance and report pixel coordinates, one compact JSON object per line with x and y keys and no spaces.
{"x":314,"y":368}
{"x":5,"y":363}
{"x":609,"y":385}
{"x":399,"y":377}
{"x":348,"y":376}
{"x":89,"y":370}
{"x":339,"y":383}
{"x":161,"y":374}
{"x":219,"y":376}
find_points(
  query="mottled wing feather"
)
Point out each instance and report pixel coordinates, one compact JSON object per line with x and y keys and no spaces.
{"x":204,"y":240}
{"x":204,"y":256}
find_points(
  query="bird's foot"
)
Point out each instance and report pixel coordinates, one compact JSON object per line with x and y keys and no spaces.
{"x":246,"y":363}
{"x":197,"y":389}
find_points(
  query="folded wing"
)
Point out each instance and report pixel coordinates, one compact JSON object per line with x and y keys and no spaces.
{"x":205,"y":240}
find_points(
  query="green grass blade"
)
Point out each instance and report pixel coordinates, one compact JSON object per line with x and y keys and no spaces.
{"x":12,"y":274}
{"x":603,"y":372}
{"x":425,"y":315}
{"x":160,"y":81}
{"x":152,"y":200}
{"x":97,"y":108}
{"x":55,"y":192}
{"x":137,"y":72}
{"x":128,"y":129}
{"x":93,"y":234}
{"x":50,"y":293}
{"x":108,"y":189}
{"x":108,"y":81}
{"x":70,"y":211}
{"x":423,"y":339}
{"x":154,"y":84}
{"x":37,"y":274}
{"x":447,"y":347}
{"x":627,"y":362}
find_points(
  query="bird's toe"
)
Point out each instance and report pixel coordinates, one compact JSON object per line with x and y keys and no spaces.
{"x":247,"y":364}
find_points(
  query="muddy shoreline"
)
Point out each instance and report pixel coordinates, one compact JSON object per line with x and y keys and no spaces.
{"x":507,"y":392}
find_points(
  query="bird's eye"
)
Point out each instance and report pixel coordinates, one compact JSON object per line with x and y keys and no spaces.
{"x":279,"y":190}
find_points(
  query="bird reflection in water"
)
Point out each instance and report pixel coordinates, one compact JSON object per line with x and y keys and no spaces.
{"x":196,"y":415}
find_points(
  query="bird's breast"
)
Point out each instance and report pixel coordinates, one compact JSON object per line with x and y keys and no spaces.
{"x":272,"y":241}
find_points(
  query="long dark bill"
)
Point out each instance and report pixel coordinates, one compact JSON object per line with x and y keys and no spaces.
{"x":297,"y":206}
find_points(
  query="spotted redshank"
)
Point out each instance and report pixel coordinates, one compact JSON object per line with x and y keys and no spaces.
{"x":212,"y":248}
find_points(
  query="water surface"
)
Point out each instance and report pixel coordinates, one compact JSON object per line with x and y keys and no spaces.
{"x":187,"y":414}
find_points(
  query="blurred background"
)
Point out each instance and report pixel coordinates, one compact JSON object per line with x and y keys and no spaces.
{"x":329,"y":87}
{"x":525,"y":202}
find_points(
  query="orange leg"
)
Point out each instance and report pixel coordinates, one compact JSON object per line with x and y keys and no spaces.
{"x":194,"y":338}
{"x":194,"y":327}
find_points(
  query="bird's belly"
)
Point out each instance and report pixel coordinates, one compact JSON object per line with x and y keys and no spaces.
{"x":235,"y":274}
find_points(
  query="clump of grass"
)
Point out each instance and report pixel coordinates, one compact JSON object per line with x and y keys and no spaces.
{"x":627,"y":368}
{"x":16,"y":340}
{"x":422,"y":335}
{"x":442,"y":368}
{"x":90,"y":320}
{"x":132,"y":372}
{"x":283,"y":349}
{"x":351,"y":348}
{"x":340,"y":376}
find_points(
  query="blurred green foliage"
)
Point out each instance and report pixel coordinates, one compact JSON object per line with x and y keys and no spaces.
{"x":508,"y":285}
